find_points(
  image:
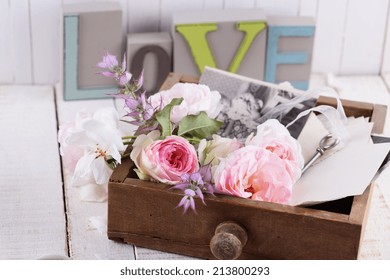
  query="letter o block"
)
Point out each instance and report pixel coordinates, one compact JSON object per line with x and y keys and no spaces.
{"x":151,"y":52}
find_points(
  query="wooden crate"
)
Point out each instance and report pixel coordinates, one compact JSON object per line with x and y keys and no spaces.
{"x":145,"y":214}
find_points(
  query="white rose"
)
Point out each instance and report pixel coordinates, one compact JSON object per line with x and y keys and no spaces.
{"x":109,"y":116}
{"x":137,"y":154}
{"x":214,"y":150}
{"x":196,"y":98}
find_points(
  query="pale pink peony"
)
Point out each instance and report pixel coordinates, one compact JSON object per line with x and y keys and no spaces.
{"x":196,"y":98}
{"x":275,"y":137}
{"x":164,"y":160}
{"x":87,"y":143}
{"x":256,"y":173}
{"x":70,"y":153}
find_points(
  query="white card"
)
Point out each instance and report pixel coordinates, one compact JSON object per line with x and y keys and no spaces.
{"x":346,"y":170}
{"x":359,"y":131}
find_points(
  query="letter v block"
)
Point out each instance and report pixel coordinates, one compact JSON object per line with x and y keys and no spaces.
{"x":289,"y":50}
{"x":232,"y":40}
{"x":89,"y":31}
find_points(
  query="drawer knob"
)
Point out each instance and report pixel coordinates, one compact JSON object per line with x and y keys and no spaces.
{"x":228,"y":241}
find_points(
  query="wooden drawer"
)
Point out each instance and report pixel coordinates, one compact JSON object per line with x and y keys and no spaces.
{"x":145,"y":214}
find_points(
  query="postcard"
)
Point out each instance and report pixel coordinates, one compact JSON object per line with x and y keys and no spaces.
{"x":246,"y":100}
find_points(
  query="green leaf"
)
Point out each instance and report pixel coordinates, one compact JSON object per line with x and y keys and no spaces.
{"x":198,"y":126}
{"x":164,"y":117}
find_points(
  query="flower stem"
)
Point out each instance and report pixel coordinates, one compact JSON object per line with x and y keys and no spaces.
{"x":125,"y":155}
{"x":193,"y":140}
{"x":129,"y":137}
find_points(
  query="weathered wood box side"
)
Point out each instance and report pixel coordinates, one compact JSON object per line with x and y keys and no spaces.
{"x":145,"y":214}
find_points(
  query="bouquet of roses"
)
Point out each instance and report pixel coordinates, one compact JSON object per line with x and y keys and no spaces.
{"x":176,"y":142}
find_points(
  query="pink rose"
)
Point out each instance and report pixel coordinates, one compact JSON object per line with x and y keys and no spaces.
{"x":164,"y":160}
{"x":196,"y":98}
{"x":275,"y":137}
{"x":256,"y":173}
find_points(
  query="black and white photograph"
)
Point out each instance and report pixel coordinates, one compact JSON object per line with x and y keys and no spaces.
{"x":247,"y":103}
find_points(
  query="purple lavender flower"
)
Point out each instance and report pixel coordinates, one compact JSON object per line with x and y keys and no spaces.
{"x":124,"y":78}
{"x":114,"y":70}
{"x":140,"y":111}
{"x":140,"y":81}
{"x":139,"y":108}
{"x":194,"y":185}
{"x":188,"y":200}
{"x":146,"y":107}
{"x":109,"y":61}
{"x":205,"y":173}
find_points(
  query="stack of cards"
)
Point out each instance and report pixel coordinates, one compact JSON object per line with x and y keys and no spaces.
{"x":343,"y":171}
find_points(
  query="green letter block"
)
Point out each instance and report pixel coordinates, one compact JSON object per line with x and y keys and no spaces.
{"x":195,"y":35}
{"x":251,"y":30}
{"x":231,"y":40}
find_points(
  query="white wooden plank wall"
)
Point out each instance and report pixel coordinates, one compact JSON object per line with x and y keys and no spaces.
{"x":386,"y":49}
{"x":364,"y":36}
{"x":329,"y":36}
{"x":45,"y":40}
{"x":352,"y":36}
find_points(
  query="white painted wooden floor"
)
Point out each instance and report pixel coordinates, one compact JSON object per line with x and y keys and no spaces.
{"x":41,"y":215}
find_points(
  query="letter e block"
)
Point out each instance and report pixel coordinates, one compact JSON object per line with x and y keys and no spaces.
{"x":289,"y":50}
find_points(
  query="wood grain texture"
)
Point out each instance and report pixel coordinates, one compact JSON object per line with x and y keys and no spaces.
{"x":279,"y":7}
{"x":308,"y":8}
{"x":32,"y":219}
{"x":6,"y":75}
{"x":385,"y":67}
{"x":385,"y":77}
{"x":85,"y":242}
{"x":215,"y":4}
{"x":19,"y":35}
{"x":45,"y":44}
{"x":274,"y":231}
{"x":365,"y":30}
{"x":169,"y":7}
{"x":242,"y":4}
{"x":376,"y":238}
{"x":329,"y":34}
{"x":344,"y":42}
{"x":143,"y":17}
